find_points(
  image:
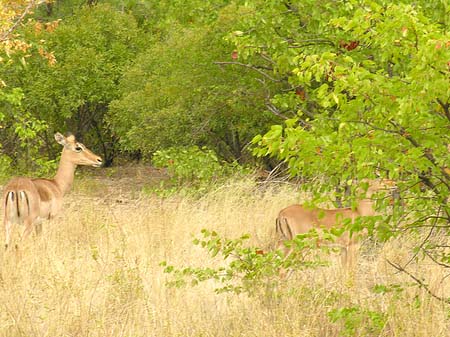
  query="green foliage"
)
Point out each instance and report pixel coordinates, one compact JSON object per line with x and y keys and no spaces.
{"x":390,"y":288}
{"x":5,"y":167}
{"x":189,"y":164}
{"x":193,"y":169}
{"x":70,"y":87}
{"x":370,"y":106}
{"x":155,"y":62}
{"x":246,"y":269}
{"x":164,"y":14}
{"x":358,"y":321}
{"x":23,"y":128}
{"x":177,"y":96}
{"x":7,"y":99}
{"x":367,"y":93}
{"x":14,"y":98}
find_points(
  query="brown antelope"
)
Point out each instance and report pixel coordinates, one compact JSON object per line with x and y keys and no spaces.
{"x":298,"y":219}
{"x":29,"y":201}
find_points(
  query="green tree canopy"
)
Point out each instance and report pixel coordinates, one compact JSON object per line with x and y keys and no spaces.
{"x":177,"y":94}
{"x":71,"y":89}
{"x":369,"y":95}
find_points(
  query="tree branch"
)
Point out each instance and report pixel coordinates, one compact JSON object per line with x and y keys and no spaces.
{"x":445,"y":107}
{"x":428,"y":154}
{"x":273,"y":109}
{"x":33,"y":3}
{"x":311,"y":42}
{"x":423,"y":241}
{"x":419,"y":282}
{"x":427,"y":253}
{"x":266,"y":58}
{"x":255,"y":68}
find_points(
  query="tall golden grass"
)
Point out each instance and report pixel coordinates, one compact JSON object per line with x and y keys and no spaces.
{"x":95,"y":271}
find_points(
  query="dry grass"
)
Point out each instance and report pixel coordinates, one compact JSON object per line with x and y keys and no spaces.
{"x":95,"y":272}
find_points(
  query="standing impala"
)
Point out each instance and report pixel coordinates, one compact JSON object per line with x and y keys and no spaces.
{"x":297,"y":219}
{"x":29,"y":201}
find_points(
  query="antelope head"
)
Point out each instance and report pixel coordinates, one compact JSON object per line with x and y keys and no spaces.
{"x":76,"y":153}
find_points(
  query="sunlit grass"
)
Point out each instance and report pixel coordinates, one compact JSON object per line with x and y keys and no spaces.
{"x":96,"y":271}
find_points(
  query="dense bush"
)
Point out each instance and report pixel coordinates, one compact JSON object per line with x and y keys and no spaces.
{"x":193,"y":169}
{"x":176,"y":95}
{"x":69,"y":77}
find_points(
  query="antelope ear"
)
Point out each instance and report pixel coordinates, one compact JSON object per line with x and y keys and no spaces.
{"x":60,"y":139}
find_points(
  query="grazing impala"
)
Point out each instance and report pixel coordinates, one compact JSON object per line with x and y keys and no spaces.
{"x":297,"y":219}
{"x":29,"y":201}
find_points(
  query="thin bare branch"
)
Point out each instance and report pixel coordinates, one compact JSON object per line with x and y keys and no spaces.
{"x":273,"y":109}
{"x":445,"y":107}
{"x":427,"y":253}
{"x":311,"y":42}
{"x":266,"y":58}
{"x":255,"y":68}
{"x":424,"y":241}
{"x":421,"y":283}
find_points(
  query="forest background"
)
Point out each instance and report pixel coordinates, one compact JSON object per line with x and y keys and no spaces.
{"x":329,"y":92}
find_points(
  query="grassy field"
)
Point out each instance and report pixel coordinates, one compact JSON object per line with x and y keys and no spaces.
{"x":95,"y":271}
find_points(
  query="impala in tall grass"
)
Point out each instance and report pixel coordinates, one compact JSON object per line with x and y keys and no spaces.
{"x":298,"y":219}
{"x":29,"y":201}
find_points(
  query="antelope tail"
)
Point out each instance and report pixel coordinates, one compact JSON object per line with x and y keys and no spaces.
{"x":283,"y":228}
{"x":11,"y":209}
{"x":17,"y":206}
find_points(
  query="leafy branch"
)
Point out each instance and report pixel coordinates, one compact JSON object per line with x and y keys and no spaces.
{"x":420,"y":282}
{"x":244,"y":268}
{"x":33,"y":3}
{"x":258,"y":69}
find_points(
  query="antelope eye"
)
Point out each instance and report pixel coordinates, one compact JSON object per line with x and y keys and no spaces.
{"x":78,"y":149}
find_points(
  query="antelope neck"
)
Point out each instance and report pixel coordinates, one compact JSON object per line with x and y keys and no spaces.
{"x":65,"y":174}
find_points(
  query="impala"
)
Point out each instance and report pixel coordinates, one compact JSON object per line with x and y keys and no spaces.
{"x":297,"y":219}
{"x":29,"y":201}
